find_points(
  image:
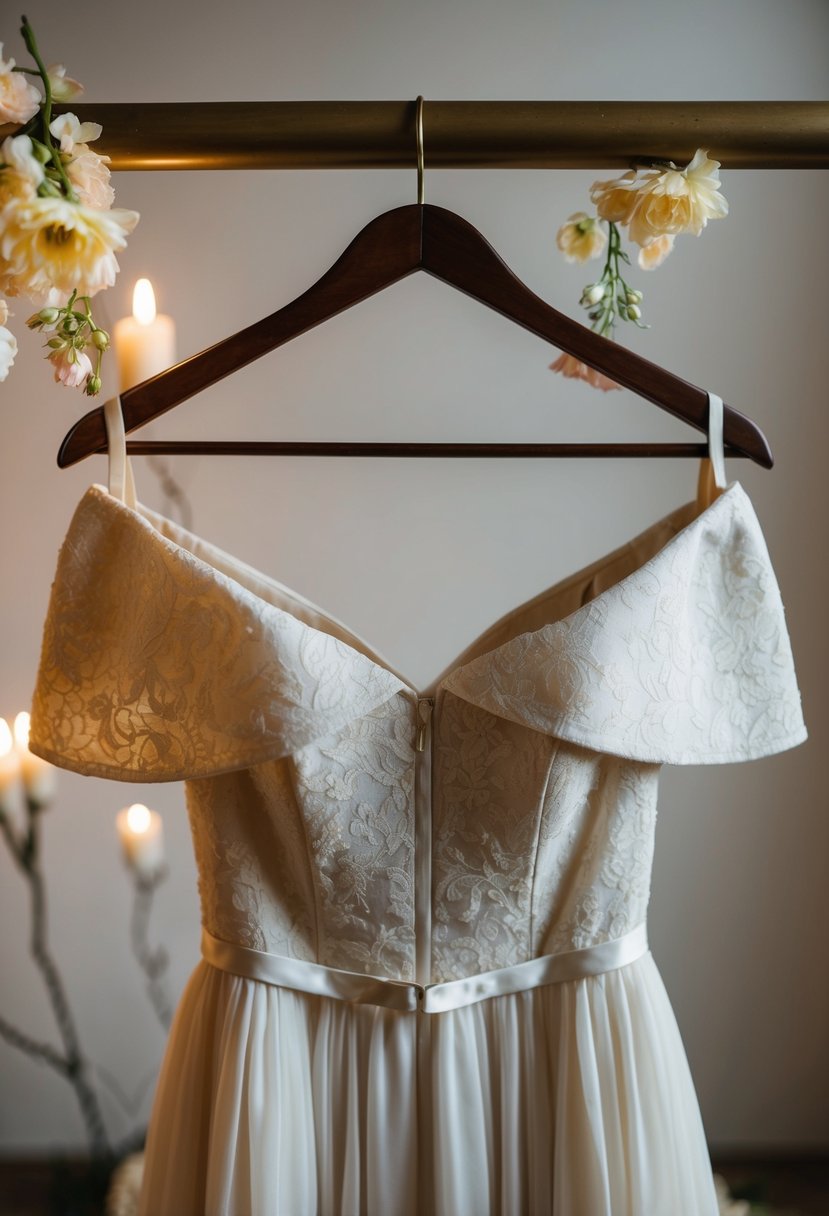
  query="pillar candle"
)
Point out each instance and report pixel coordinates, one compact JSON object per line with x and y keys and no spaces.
{"x":145,"y":343}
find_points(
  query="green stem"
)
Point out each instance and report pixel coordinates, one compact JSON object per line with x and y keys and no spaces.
{"x":46,"y":109}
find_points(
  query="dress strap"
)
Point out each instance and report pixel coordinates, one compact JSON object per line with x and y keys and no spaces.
{"x":712,"y":468}
{"x":121,"y":481}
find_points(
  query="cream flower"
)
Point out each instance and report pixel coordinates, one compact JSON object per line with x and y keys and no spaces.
{"x":19,"y":100}
{"x":674,"y":200}
{"x":615,"y":200}
{"x":582,"y":237}
{"x":726,"y":1204}
{"x":71,"y":366}
{"x":574,"y":369}
{"x":50,"y":242}
{"x":17,"y":153}
{"x":70,"y":131}
{"x":125,"y":1187}
{"x":89,"y":175}
{"x":4,"y":312}
{"x":654,"y":253}
{"x":8,"y":348}
{"x":63,"y":87}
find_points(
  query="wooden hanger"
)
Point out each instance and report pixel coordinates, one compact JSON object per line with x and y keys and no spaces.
{"x":397,"y":243}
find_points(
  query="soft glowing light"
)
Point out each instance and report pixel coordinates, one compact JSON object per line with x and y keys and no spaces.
{"x":138,"y":818}
{"x":21,"y":731}
{"x":9,"y":760}
{"x":143,"y":302}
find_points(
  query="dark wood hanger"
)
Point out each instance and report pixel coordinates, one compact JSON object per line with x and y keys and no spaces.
{"x":419,"y":236}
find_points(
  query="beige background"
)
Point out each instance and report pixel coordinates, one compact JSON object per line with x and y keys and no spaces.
{"x":420,"y":557}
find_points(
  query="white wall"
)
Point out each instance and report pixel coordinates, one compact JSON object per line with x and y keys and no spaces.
{"x":420,"y":557}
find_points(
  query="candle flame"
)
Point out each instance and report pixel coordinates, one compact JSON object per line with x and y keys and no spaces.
{"x":21,"y":731}
{"x":5,"y":738}
{"x":143,"y":302}
{"x":138,"y":818}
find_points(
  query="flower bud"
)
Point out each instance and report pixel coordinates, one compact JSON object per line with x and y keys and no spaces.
{"x":633,"y":297}
{"x":101,"y":339}
{"x":634,"y":312}
{"x":592,"y":294}
{"x":41,"y":152}
{"x":70,"y":325}
{"x":56,"y":343}
{"x":48,"y":316}
{"x":93,"y":385}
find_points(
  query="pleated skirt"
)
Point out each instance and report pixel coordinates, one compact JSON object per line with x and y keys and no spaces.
{"x":571,"y":1099}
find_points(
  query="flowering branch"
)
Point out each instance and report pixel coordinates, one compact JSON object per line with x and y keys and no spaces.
{"x":45,"y":118}
{"x":60,"y":231}
{"x":656,"y":203}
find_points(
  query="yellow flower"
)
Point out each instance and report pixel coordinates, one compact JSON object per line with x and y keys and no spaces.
{"x":50,"y":242}
{"x":654,"y":253}
{"x":574,"y":369}
{"x":615,"y":200}
{"x":674,"y":200}
{"x":582,"y":237}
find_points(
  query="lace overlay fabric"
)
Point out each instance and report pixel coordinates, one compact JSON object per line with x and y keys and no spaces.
{"x":331,"y":827}
{"x":298,"y":745}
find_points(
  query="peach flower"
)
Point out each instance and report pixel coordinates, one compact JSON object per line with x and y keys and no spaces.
{"x":19,"y":100}
{"x":574,"y":369}
{"x":672,"y":201}
{"x":582,"y":237}
{"x":654,"y":253}
{"x":71,"y":366}
{"x":89,"y":175}
{"x":616,"y":200}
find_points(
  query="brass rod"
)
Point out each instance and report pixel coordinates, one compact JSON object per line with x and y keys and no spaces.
{"x":187,"y":447}
{"x":460,"y":134}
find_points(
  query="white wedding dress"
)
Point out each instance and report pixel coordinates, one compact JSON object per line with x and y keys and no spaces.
{"x":425,"y":987}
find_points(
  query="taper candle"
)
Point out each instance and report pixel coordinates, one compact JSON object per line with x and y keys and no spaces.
{"x":39,"y":776}
{"x":142,"y":839}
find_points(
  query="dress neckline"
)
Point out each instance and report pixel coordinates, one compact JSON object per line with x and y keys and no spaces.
{"x":211,"y":559}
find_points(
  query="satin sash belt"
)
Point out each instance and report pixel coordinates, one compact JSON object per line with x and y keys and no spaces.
{"x":433,"y":998}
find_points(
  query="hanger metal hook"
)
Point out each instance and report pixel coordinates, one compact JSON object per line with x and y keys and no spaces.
{"x":421,"y":190}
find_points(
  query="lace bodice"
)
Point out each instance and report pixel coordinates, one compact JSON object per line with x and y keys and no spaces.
{"x":342,"y":817}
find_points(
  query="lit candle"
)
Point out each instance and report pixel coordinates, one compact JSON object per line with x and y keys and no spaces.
{"x":142,"y":839}
{"x":9,"y":760}
{"x":39,"y":776}
{"x":145,"y":343}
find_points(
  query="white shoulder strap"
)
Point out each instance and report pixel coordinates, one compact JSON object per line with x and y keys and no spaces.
{"x":712,"y":469}
{"x":121,"y":482}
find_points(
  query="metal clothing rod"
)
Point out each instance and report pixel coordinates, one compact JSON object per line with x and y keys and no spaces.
{"x":459,"y":134}
{"x":158,"y":447}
